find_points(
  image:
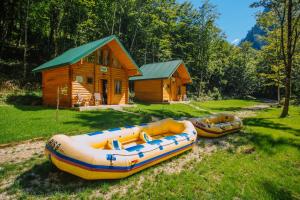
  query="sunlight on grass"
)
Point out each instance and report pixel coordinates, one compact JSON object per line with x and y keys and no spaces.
{"x":226,"y":105}
{"x":27,"y":122}
{"x":167,"y":110}
{"x":269,"y":171}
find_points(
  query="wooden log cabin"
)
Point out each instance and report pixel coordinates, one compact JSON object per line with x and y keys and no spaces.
{"x":92,"y":74}
{"x":162,"y":82}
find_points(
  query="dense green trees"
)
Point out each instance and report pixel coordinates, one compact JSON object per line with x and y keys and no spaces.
{"x":282,"y":21}
{"x":32,"y":32}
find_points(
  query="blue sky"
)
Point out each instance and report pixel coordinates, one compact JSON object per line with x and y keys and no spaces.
{"x":236,"y":17}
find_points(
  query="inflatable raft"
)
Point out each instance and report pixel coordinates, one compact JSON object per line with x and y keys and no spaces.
{"x":217,"y":125}
{"x":119,"y":152}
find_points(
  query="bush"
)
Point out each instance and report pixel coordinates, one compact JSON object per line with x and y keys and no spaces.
{"x":11,"y":92}
{"x":215,"y":94}
{"x":30,"y":99}
{"x":131,"y":97}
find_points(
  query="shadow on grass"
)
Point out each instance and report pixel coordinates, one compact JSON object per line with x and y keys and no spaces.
{"x":46,"y":179}
{"x":275,"y":192}
{"x":271,"y":145}
{"x":29,"y":99}
{"x":261,"y":142}
{"x":106,"y":119}
{"x":264,"y":122}
{"x":167,"y":113}
{"x":227,"y":109}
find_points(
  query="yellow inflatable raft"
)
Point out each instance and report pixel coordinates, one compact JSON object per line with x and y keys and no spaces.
{"x":217,"y":125}
{"x":119,"y":152}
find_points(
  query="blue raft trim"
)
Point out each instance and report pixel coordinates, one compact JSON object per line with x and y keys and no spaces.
{"x":171,"y":137}
{"x":185,"y":135}
{"x":110,"y":157}
{"x":143,"y":124}
{"x":135,"y":148}
{"x":129,"y":126}
{"x":141,"y":154}
{"x":116,"y":144}
{"x":112,"y":168}
{"x":114,"y":129}
{"x":95,"y":133}
{"x":154,"y":142}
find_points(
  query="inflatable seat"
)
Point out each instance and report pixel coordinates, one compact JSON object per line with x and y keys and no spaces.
{"x":145,"y":137}
{"x":114,"y":144}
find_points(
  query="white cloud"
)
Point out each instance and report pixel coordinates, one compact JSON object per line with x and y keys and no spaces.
{"x":236,"y":41}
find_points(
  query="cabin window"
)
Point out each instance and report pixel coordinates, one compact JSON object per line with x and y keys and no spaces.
{"x":79,"y":79}
{"x":115,"y":63}
{"x":176,"y":74}
{"x":105,"y":57}
{"x":89,"y":80}
{"x":99,"y":56}
{"x":179,"y":90}
{"x":90,"y":58}
{"x":118,"y":86}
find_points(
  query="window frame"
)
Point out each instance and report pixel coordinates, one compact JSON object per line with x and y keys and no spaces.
{"x":100,"y":57}
{"x":105,"y":58}
{"x":118,"y":86}
{"x":88,"y":80}
{"x":179,"y":92}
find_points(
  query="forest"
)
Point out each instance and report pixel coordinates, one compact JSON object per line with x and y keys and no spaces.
{"x":34,"y":31}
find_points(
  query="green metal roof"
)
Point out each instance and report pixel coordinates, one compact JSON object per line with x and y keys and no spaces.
{"x":73,"y":55}
{"x":158,"y":70}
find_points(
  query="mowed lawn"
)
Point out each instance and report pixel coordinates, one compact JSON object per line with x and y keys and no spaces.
{"x":262,"y":161}
{"x":27,"y":122}
{"x":226,"y":105}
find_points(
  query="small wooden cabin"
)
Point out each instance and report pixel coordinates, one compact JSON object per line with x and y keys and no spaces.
{"x":162,"y":82}
{"x":92,"y":74}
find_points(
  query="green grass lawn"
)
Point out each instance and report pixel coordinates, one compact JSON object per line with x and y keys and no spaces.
{"x":26,"y":122}
{"x":226,"y":105}
{"x":166,"y":110}
{"x":270,"y":170}
{"x":179,"y":110}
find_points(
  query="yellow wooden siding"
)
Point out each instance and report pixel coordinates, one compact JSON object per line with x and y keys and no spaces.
{"x":67,"y":76}
{"x":160,"y":90}
{"x":148,"y":90}
{"x":83,"y":89}
{"x":166,"y":90}
{"x":52,"y":79}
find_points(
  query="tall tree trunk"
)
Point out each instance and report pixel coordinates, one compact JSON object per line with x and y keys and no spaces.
{"x":120,"y":24}
{"x":278,"y":93}
{"x":113,"y":23}
{"x":25,"y":41}
{"x":145,"y":55}
{"x":288,"y":66}
{"x":132,"y":41}
{"x":57,"y":32}
{"x":152,"y":52}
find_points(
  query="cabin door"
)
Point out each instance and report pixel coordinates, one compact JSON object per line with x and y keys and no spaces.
{"x":173,"y":89}
{"x":104,"y":91}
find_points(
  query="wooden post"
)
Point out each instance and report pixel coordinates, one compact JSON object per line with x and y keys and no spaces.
{"x":94,"y":79}
{"x":57,"y":104}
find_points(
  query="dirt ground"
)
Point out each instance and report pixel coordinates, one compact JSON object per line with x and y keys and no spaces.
{"x":21,"y":152}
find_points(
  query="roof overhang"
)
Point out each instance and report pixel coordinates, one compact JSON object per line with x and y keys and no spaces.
{"x":112,"y":41}
{"x":183,"y":73}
